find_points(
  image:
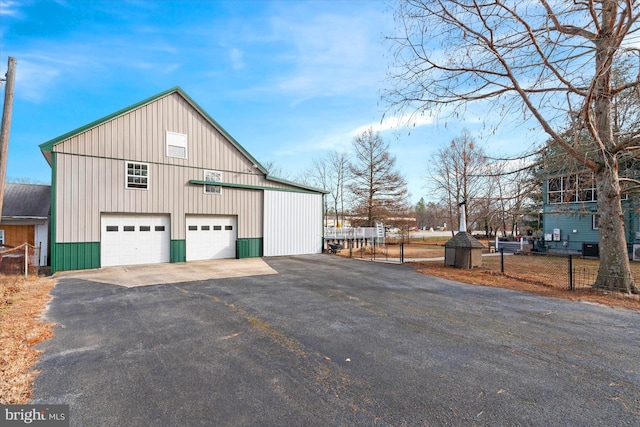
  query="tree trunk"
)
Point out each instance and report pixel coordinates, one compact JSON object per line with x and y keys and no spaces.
{"x":614,"y":272}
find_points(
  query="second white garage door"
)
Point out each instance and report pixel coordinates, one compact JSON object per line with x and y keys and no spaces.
{"x":211,"y":237}
{"x":134,"y":239}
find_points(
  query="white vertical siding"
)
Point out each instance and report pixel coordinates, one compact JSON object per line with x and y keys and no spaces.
{"x":42,"y":238}
{"x":292,"y":223}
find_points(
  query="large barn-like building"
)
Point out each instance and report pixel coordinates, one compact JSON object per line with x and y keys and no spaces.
{"x":161,"y":181}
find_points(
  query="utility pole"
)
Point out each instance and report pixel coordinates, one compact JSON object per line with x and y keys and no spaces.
{"x":6,"y":125}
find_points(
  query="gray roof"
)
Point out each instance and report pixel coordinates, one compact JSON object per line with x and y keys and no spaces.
{"x":26,"y":201}
{"x":463,"y":240}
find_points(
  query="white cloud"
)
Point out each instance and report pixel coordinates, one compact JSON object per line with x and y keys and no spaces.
{"x":395,"y":122}
{"x":9,"y":8}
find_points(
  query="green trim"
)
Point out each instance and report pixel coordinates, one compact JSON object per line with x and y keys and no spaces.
{"x":75,"y":256}
{"x":52,"y":221}
{"x":48,"y":146}
{"x":178,"y":251}
{"x":249,"y":248}
{"x":252,"y":187}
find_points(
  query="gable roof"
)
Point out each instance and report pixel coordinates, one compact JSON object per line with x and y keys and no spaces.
{"x":47,"y":147}
{"x":26,"y":201}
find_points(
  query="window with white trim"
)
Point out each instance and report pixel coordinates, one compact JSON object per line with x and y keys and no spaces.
{"x":137,"y":175}
{"x":176,"y":145}
{"x":596,"y":222}
{"x":212,"y":176}
{"x":572,"y":188}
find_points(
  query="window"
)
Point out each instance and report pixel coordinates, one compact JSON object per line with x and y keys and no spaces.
{"x":205,"y":228}
{"x":193,"y":228}
{"x":137,"y":175}
{"x":159,"y":228}
{"x":176,"y":145}
{"x":217,"y":227}
{"x":228,"y":227}
{"x":572,"y":188}
{"x":112,"y":228}
{"x":129,"y":228}
{"x":212,"y":176}
{"x":145,"y":228}
{"x":596,"y":222}
{"x":1,"y":237}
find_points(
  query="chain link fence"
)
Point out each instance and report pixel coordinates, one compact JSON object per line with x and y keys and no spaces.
{"x":23,"y":259}
{"x":561,"y":271}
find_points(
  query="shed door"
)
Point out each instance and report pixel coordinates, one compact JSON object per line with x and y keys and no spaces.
{"x":211,"y":237}
{"x":134,"y":239}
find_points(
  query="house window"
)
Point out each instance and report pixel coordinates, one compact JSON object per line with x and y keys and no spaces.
{"x":596,"y":222}
{"x":176,"y":145}
{"x":212,"y":176}
{"x":137,"y":175}
{"x":1,"y":237}
{"x":572,"y":188}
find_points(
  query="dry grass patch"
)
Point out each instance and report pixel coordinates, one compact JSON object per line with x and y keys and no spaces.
{"x":525,"y":280}
{"x":22,"y":302}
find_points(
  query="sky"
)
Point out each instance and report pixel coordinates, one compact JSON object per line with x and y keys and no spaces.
{"x":289,"y":80}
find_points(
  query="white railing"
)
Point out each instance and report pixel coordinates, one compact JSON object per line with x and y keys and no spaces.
{"x":354,"y":233}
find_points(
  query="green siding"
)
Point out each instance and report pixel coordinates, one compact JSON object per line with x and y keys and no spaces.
{"x":249,"y":248}
{"x":52,"y":220}
{"x":178,"y":251}
{"x":75,"y":256}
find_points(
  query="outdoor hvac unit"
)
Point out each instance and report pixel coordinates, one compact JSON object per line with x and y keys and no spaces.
{"x":636,"y":252}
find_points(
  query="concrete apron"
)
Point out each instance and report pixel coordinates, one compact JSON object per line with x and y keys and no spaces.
{"x":156,"y":274}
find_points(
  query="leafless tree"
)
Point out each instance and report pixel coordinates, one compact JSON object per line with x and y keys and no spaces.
{"x":331,"y":173}
{"x":548,"y":60}
{"x":378,"y":189}
{"x":458,"y":172}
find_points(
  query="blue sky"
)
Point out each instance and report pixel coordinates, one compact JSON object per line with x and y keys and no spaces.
{"x":289,"y":80}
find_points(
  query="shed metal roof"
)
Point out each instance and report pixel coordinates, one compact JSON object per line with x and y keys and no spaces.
{"x":26,"y":201}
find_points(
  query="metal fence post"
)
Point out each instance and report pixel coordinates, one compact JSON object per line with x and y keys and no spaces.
{"x":402,"y":253}
{"x":502,"y":260}
{"x":570,"y":273}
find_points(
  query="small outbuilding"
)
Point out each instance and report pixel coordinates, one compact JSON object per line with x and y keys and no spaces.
{"x":25,"y":217}
{"x":463,"y":251}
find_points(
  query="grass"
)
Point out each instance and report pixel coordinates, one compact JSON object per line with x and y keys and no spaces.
{"x":22,"y":302}
{"x":543,"y":275}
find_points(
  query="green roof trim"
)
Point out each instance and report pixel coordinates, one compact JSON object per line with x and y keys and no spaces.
{"x":48,"y":146}
{"x":300,"y":189}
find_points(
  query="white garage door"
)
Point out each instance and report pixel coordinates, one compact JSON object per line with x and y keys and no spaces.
{"x":134,"y":239}
{"x":210,"y":237}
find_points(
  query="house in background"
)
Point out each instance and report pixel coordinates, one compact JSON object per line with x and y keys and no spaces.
{"x":25,"y":217}
{"x":571,"y":218}
{"x":161,"y":181}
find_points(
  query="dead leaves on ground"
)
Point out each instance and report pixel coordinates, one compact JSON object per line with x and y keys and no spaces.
{"x":22,"y":302}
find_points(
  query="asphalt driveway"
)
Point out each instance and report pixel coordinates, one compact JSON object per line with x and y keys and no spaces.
{"x":334,"y":341}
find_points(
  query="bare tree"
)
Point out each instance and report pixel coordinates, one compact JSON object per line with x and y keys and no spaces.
{"x":331,"y":173}
{"x":377,"y":187}
{"x":458,"y":172}
{"x":548,"y":60}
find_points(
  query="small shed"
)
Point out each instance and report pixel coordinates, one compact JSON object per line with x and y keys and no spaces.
{"x":25,"y":217}
{"x":463,"y":251}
